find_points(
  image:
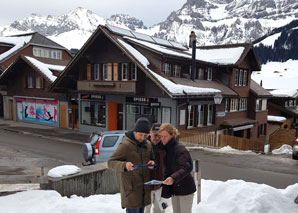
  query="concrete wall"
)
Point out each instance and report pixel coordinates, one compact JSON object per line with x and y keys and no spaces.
{"x":94,"y":179}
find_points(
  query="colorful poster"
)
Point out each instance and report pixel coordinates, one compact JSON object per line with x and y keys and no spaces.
{"x":40,"y":111}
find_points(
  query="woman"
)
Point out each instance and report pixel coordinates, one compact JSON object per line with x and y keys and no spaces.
{"x":178,"y":165}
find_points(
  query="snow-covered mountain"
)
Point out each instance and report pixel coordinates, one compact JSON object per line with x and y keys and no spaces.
{"x":214,"y":21}
{"x":227,"y":21}
{"x":70,"y":30}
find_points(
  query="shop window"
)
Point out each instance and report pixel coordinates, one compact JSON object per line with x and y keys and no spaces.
{"x":134,"y":72}
{"x":93,"y":113}
{"x":166,"y":115}
{"x":146,"y":110}
{"x":201,"y":74}
{"x":134,"y":109}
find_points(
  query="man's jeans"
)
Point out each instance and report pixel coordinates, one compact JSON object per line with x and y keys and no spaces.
{"x":138,"y":210}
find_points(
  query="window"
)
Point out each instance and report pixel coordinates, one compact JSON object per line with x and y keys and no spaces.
{"x":124,"y":71}
{"x":109,"y":141}
{"x":96,"y":71}
{"x":245,"y":78}
{"x":236,"y":77}
{"x":240,"y":77}
{"x":201,"y":74}
{"x":177,"y":70}
{"x":262,"y":129}
{"x":210,"y":114}
{"x":30,"y":82}
{"x":93,"y":113}
{"x":134,"y":72}
{"x":243,"y":104}
{"x":227,"y":105}
{"x":167,"y":69}
{"x":200,"y":115}
{"x":37,"y":82}
{"x":259,"y":105}
{"x":209,"y":74}
{"x":234,"y":105}
{"x":105,"y":71}
{"x":47,"y":53}
{"x":190,"y":118}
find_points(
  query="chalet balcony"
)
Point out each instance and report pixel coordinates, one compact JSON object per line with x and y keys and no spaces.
{"x":107,"y":86}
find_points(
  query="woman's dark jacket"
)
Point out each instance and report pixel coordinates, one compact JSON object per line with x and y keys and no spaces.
{"x":177,"y":162}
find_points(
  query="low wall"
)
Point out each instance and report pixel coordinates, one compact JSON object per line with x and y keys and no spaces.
{"x":93,"y":179}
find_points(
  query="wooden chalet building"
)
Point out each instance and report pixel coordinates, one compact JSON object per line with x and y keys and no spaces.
{"x":120,"y":75}
{"x":30,"y":64}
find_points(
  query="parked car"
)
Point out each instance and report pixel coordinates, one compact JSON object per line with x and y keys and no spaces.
{"x":101,"y":145}
{"x":295,"y":150}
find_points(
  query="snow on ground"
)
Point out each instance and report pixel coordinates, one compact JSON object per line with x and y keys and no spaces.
{"x":278,"y":75}
{"x":284,"y":149}
{"x":232,"y":196}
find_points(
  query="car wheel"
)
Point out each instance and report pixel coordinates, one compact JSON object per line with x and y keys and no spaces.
{"x":87,"y":152}
{"x":295,"y":157}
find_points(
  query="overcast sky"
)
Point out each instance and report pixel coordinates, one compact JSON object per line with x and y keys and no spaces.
{"x":149,"y":11}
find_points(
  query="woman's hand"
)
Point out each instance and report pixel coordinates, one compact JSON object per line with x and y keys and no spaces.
{"x":151,"y":162}
{"x":129,"y":166}
{"x":168,"y":181}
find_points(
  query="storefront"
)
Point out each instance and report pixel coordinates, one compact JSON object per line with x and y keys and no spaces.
{"x":44,"y":111}
{"x":115,"y":112}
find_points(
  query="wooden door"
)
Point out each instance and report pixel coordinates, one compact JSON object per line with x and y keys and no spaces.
{"x":63,"y":116}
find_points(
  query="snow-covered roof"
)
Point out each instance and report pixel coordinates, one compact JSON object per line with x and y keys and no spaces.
{"x":288,"y":93}
{"x":274,"y":118}
{"x":222,"y":56}
{"x":174,"y":89}
{"x":17,"y":42}
{"x":45,"y":68}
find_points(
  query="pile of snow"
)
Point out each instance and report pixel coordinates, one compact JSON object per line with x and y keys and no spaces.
{"x":284,"y":149}
{"x":217,"y":197}
{"x":225,"y":149}
{"x":64,"y":170}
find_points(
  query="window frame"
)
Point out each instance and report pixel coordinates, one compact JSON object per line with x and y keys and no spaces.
{"x":105,"y":72}
{"x":134,"y":72}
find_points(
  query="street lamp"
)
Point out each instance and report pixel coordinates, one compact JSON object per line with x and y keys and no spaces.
{"x":217,"y":100}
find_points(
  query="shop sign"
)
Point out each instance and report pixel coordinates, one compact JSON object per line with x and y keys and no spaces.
{"x":143,"y":100}
{"x":154,"y":104}
{"x":93,"y":97}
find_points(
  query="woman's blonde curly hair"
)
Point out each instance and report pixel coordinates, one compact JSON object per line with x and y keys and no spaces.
{"x":170,"y":129}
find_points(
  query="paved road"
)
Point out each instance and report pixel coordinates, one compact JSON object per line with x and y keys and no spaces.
{"x":277,"y":171}
{"x":25,"y":154}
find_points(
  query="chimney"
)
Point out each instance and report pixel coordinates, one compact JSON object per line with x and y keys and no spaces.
{"x":192,"y":44}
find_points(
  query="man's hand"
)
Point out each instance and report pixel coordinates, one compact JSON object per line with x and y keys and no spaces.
{"x":168,"y":181}
{"x":151,"y":162}
{"x":129,"y":166}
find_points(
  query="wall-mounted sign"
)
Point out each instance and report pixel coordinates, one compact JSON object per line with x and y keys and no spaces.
{"x":93,"y":97}
{"x":220,"y":114}
{"x":143,"y":100}
{"x":154,"y":104}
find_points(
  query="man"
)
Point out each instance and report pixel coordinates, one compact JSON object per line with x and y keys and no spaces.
{"x":157,"y":173}
{"x":132,"y":151}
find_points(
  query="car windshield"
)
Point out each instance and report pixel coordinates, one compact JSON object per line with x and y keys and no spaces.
{"x":94,"y":139}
